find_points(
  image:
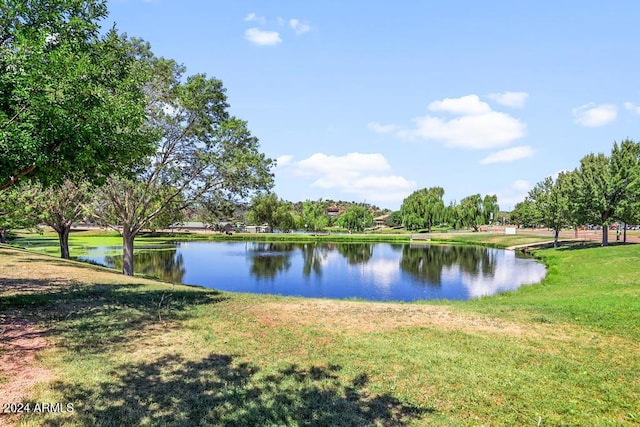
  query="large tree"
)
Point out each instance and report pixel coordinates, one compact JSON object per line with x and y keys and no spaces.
{"x":490,"y":208}
{"x":59,"y":206}
{"x":470,"y":211}
{"x":625,"y":172}
{"x":598,"y":194}
{"x":474,"y":211}
{"x":201,"y":152}
{"x":423,"y":208}
{"x":551,"y":201}
{"x":523,"y":213}
{"x":355,"y":218}
{"x":314,"y":215}
{"x":276,"y":213}
{"x":71,"y":99}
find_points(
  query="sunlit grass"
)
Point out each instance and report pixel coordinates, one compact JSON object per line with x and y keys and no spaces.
{"x":130,"y":351}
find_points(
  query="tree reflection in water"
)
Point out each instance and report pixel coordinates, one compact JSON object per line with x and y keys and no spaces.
{"x":427,"y":263}
{"x":313,"y":255}
{"x":356,"y":253}
{"x":269,"y":259}
{"x":373,"y":271}
{"x":164,"y":264}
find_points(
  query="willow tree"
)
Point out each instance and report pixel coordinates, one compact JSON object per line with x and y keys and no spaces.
{"x":314,"y":215}
{"x":201,"y":152}
{"x":423,"y":208}
{"x":356,"y":218}
{"x":276,"y":213}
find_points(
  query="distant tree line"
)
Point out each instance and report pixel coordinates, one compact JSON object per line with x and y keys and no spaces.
{"x":309,"y":215}
{"x":425,"y":208}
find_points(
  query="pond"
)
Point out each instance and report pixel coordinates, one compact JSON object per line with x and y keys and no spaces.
{"x":370,"y":271}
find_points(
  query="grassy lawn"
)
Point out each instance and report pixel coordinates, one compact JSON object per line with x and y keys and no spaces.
{"x":130,"y":351}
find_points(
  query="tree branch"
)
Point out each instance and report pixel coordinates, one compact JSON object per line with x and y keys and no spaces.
{"x":15,"y":117}
{"x":12,"y":180}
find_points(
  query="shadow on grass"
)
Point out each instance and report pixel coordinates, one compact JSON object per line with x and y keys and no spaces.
{"x":571,"y":246}
{"x":92,"y":318}
{"x":219,"y":390}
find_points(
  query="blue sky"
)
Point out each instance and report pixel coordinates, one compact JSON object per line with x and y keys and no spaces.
{"x":372,"y":100}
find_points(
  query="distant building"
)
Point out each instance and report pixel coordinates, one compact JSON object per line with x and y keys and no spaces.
{"x":189,"y":225}
{"x":333,"y":211}
{"x":257,"y":229}
{"x":380,"y":220}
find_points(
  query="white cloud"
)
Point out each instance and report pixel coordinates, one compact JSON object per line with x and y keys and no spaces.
{"x":252,"y":17}
{"x":479,"y":127}
{"x":262,"y":37}
{"x":592,"y":115}
{"x":284,"y":160}
{"x":510,"y":99}
{"x":515,"y":193}
{"x":465,"y":105}
{"x":509,"y":155}
{"x":366,"y":176}
{"x":380,"y":128}
{"x":506,"y":276}
{"x":299,"y":27}
{"x":632,"y":107}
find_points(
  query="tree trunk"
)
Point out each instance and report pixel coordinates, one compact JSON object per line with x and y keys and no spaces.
{"x":63,"y":237}
{"x":127,"y":250}
{"x":3,"y":236}
{"x":624,"y":230}
{"x":605,"y":235}
{"x":555,"y":238}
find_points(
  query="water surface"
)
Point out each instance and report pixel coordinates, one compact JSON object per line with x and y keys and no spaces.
{"x":371,"y":271}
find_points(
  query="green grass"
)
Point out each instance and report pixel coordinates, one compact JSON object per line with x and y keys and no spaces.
{"x":585,"y":285}
{"x":136,"y":352}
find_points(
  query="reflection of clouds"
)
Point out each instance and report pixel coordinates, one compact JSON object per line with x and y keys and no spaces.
{"x":381,"y":272}
{"x":510,"y":273}
{"x":331,"y":257}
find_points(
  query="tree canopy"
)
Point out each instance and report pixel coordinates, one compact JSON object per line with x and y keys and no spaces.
{"x":276,"y":213}
{"x":201,"y":152}
{"x":71,"y":99}
{"x":551,"y":203}
{"x":423,"y":208}
{"x":356,"y":218}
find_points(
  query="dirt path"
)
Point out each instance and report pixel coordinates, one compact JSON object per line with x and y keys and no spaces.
{"x":19,"y":344}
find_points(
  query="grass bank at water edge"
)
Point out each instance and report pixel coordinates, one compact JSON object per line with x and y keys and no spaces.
{"x":129,"y":351}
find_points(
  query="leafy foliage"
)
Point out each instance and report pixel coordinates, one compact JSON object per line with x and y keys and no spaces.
{"x":474,"y":211}
{"x":71,"y":100}
{"x":276,"y":213}
{"x":17,"y":209}
{"x":62,"y":205}
{"x":356,"y":218}
{"x":551,"y":203}
{"x":314,"y":216}
{"x":423,"y":208}
{"x":202,"y":152}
